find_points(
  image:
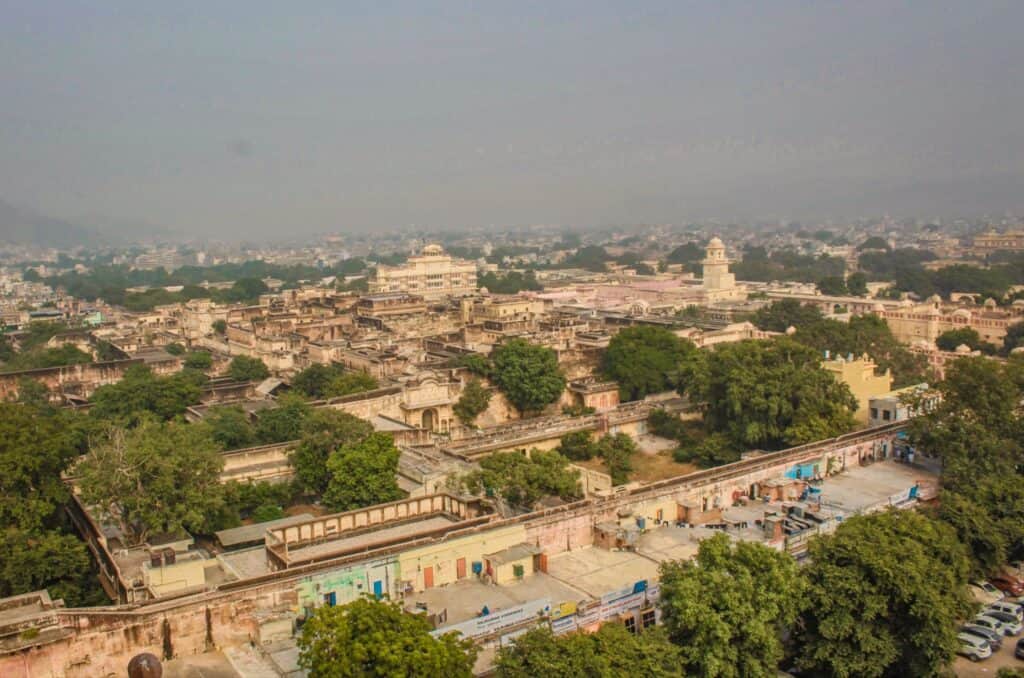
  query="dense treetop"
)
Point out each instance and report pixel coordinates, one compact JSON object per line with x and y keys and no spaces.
{"x":645,"y":360}
{"x":367,"y":638}
{"x":528,"y":374}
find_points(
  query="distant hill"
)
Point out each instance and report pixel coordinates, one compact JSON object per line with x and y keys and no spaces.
{"x":25,"y":227}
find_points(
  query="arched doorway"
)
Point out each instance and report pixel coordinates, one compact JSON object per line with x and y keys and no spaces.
{"x":428,"y":420}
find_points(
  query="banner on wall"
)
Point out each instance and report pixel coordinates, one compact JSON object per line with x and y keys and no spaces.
{"x":498,"y":620}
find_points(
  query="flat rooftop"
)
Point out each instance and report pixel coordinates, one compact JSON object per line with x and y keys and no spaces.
{"x":596,"y":571}
{"x":368,"y":538}
{"x":465,"y":599}
{"x":249,"y":534}
{"x":862,"y":487}
{"x":246,"y":563}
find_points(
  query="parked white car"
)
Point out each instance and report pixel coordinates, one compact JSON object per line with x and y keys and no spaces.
{"x":1010,"y":621}
{"x":973,"y":647}
{"x":1007,"y":607}
{"x":985,"y":593}
{"x":990,"y":623}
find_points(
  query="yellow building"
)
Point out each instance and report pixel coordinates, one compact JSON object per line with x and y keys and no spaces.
{"x":859,"y":374}
{"x":446,"y":562}
{"x":432,"y":275}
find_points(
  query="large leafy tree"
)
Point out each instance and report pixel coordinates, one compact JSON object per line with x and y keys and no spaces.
{"x":142,"y":391}
{"x":977,"y":429}
{"x":772,"y":394}
{"x":54,"y":356}
{"x":833,"y":285}
{"x":885,"y":593}
{"x":363,"y":474}
{"x":527,"y":374}
{"x":36,"y":446}
{"x":1014,"y":337}
{"x":244,"y":368}
{"x":37,"y":443}
{"x":160,"y":477}
{"x":473,"y":401}
{"x":610,"y":652}
{"x":198,"y":360}
{"x":645,"y":360}
{"x":331,"y":381}
{"x":284,"y":422}
{"x":230,"y":427}
{"x":324,"y":431}
{"x":577,"y":446}
{"x":727,"y":608}
{"x":367,"y":638}
{"x":31,"y":560}
{"x":618,"y":451}
{"x":522,"y":480}
{"x":865,"y":334}
{"x":781,"y":315}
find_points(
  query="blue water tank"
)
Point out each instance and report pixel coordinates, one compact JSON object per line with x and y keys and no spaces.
{"x":641,"y":523}
{"x":478,"y":567}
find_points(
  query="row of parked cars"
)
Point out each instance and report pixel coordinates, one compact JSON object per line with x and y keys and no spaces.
{"x":1002,"y":615}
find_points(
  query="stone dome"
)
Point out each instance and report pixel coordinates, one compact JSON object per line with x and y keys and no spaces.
{"x":716,"y":243}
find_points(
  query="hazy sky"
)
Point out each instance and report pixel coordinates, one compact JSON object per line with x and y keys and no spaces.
{"x":237,"y":118}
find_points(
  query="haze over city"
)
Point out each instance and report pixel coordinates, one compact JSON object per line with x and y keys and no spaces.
{"x":239,"y":120}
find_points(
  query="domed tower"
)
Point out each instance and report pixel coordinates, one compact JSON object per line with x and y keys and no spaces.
{"x":717,"y":277}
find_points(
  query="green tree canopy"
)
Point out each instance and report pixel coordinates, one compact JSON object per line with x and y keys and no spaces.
{"x":577,"y":446}
{"x":523,"y":480}
{"x":324,"y":431}
{"x":866,"y":334}
{"x":726,"y":608}
{"x":617,"y":450}
{"x":857,"y":284}
{"x":874,"y":243}
{"x":330,"y":381}
{"x":363,"y":474}
{"x":35,"y":448}
{"x":781,"y":315}
{"x":175,"y":348}
{"x":219,"y":326}
{"x":689,"y":254}
{"x":833,"y":285}
{"x":977,"y":429}
{"x":142,"y":391}
{"x":244,"y":368}
{"x":645,"y":359}
{"x":160,"y":477}
{"x":527,"y":374}
{"x":31,"y":560}
{"x":284,"y":422}
{"x":512,"y":282}
{"x":950,"y":340}
{"x":473,"y":401}
{"x":367,"y":638}
{"x":772,"y":394}
{"x":1014,"y":337}
{"x":41,"y":357}
{"x":885,"y":596}
{"x":609,"y":653}
{"x":198,"y":360}
{"x":230,"y":427}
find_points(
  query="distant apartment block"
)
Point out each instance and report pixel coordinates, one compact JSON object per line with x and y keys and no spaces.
{"x":432,"y":275}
